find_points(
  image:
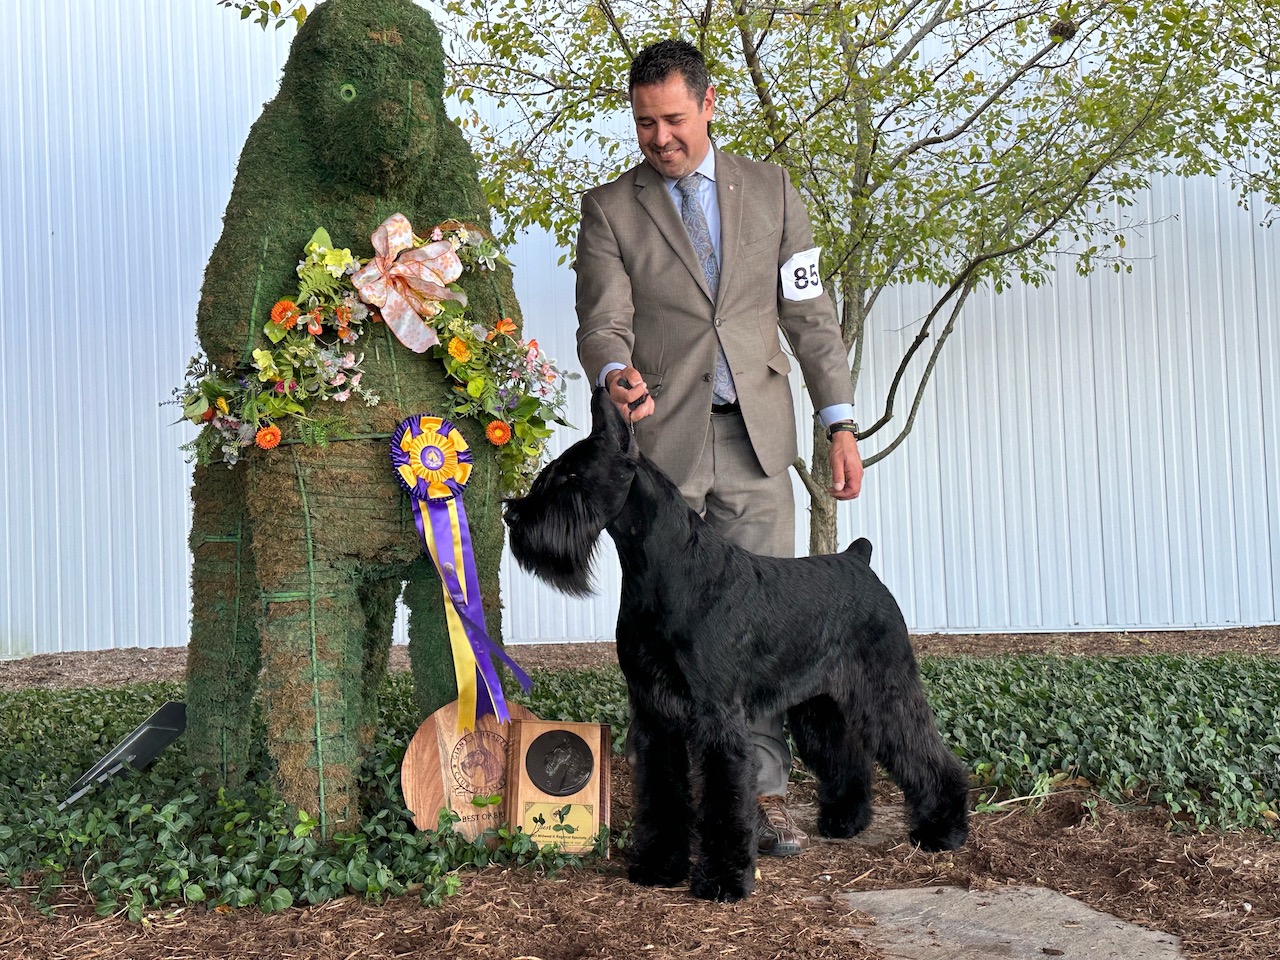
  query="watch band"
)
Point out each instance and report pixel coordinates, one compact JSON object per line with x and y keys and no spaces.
{"x":839,"y":426}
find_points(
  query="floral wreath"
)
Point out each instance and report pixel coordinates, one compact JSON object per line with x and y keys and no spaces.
{"x":500,"y":380}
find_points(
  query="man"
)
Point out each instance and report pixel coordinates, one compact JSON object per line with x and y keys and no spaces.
{"x":689,"y":266}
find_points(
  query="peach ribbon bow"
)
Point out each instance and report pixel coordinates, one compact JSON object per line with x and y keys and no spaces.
{"x":408,"y":283}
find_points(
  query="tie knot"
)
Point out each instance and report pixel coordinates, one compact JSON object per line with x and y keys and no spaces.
{"x":689,"y":184}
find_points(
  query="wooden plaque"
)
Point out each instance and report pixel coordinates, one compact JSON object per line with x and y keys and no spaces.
{"x":444,"y":767}
{"x":558,"y":781}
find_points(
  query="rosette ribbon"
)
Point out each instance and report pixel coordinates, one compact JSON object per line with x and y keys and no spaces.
{"x":408,"y":283}
{"x":433,"y":463}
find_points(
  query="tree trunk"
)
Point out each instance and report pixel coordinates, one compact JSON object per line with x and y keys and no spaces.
{"x":822,"y":506}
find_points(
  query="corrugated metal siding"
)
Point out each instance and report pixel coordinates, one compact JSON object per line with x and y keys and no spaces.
{"x":1100,"y":453}
{"x":117,"y":153}
{"x":1104,"y":450}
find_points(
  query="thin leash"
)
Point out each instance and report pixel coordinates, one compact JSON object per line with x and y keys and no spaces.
{"x":633,"y":405}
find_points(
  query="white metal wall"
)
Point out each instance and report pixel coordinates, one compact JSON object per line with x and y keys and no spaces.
{"x":1101,"y":453}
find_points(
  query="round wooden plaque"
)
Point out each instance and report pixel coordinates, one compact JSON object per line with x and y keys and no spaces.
{"x":444,"y":767}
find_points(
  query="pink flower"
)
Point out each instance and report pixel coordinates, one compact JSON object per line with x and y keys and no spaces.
{"x":280,"y":386}
{"x":339,"y":380}
{"x":348,"y":360}
{"x":355,"y":381}
{"x":343,"y":397}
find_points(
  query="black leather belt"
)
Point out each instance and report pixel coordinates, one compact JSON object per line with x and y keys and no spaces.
{"x":726,"y":408}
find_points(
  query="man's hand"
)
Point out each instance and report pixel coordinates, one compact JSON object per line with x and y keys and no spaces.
{"x":846,"y":466}
{"x":629,"y":393}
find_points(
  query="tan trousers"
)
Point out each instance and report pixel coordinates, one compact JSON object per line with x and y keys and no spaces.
{"x":730,"y":490}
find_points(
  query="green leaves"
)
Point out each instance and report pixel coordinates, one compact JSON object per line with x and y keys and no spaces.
{"x":268,"y":11}
{"x":1200,"y":737}
{"x":143,"y":841}
{"x":944,"y":145}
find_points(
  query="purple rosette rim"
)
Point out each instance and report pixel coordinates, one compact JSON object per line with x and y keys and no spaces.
{"x":420,"y":489}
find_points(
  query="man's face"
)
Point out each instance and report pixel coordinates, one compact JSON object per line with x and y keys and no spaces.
{"x":671,"y":125}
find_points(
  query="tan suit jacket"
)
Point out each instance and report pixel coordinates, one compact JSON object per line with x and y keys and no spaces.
{"x":642,"y":300}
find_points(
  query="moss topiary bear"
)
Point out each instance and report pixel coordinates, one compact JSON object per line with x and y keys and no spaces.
{"x":300,"y":552}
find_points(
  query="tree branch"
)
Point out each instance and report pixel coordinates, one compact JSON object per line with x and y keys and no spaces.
{"x":811,"y":485}
{"x":924,"y":380}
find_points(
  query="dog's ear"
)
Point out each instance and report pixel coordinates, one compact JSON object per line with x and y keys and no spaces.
{"x":607,"y":422}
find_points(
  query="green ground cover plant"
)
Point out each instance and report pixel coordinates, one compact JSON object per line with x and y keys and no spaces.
{"x":1200,"y":736}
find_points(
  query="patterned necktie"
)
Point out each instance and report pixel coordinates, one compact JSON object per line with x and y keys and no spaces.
{"x":695,"y":222}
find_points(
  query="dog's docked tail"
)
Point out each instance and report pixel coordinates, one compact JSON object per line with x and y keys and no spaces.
{"x":860,"y":548}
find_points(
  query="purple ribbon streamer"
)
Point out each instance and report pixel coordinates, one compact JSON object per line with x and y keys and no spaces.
{"x":489,"y":697}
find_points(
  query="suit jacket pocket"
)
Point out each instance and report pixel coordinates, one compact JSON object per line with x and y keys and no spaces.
{"x":779,"y":363}
{"x":755,"y":244}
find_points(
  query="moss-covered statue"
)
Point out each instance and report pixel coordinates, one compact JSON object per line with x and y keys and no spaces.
{"x":300,"y":550}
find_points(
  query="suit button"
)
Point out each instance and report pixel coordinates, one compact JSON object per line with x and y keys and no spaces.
{"x":706,"y":378}
{"x":718,"y":321}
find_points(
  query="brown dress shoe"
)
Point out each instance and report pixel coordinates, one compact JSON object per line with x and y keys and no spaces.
{"x":777,"y":834}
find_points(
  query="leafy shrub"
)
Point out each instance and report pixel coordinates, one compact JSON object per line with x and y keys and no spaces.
{"x":1201,"y":736}
{"x":143,"y":840}
{"x":1198,"y":735}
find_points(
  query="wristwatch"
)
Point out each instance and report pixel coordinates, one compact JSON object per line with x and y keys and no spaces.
{"x":840,"y":425}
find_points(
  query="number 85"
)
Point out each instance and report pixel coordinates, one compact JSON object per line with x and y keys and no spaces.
{"x":807,"y":276}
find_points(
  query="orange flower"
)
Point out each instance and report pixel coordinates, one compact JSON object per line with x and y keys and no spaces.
{"x":458,"y":350}
{"x":268,"y":437}
{"x":313,"y":321}
{"x":505,"y":325}
{"x":343,"y":313}
{"x":498,"y":433}
{"x":285,"y":314}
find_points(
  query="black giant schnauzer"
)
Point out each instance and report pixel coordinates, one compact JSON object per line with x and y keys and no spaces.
{"x":710,"y":635}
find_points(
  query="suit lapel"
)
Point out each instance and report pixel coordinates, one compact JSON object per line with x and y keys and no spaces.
{"x":729,"y":194}
{"x":651,"y":193}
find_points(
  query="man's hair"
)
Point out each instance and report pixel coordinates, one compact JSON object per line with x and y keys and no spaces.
{"x":658,"y":61}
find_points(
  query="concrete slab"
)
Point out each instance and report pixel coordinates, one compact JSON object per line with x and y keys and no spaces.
{"x":1012,"y":923}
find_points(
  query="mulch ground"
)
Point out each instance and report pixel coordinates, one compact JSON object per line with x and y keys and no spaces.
{"x":1220,"y":893}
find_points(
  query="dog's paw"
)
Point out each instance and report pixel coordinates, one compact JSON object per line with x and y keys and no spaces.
{"x":660,"y":873}
{"x":722,"y":887}
{"x":840,"y":825}
{"x":940,"y":836}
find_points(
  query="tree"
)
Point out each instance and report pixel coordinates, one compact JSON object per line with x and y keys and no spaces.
{"x":951,"y":143}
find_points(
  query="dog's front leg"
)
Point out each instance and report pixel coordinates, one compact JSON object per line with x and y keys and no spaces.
{"x":663,"y":810}
{"x":727,"y":815}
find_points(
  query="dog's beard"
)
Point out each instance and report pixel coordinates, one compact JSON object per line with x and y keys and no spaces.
{"x":559,"y":546}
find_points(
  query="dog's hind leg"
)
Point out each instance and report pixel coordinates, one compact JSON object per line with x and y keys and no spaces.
{"x":663,"y":807}
{"x":831,"y":747}
{"x":728,"y":817}
{"x":933,"y":781}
